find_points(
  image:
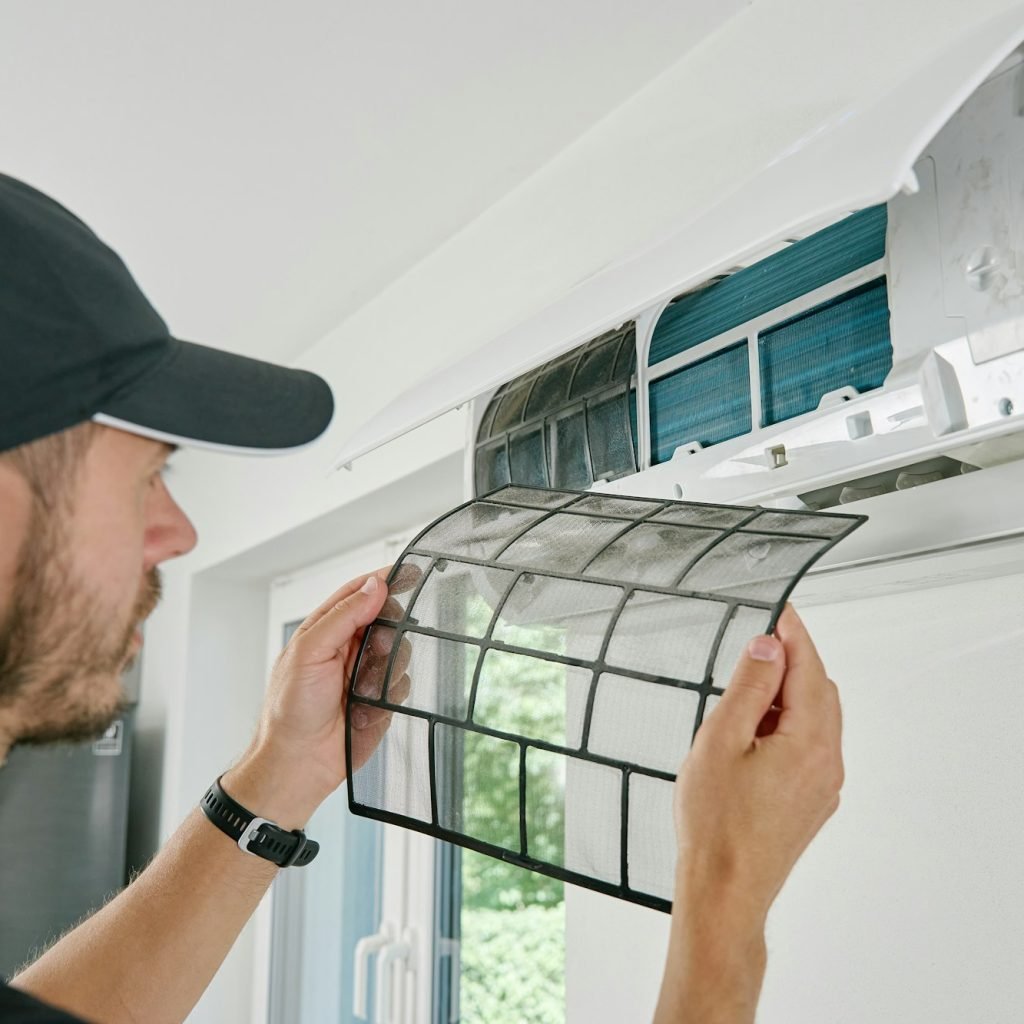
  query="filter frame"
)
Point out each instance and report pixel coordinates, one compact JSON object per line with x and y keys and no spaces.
{"x":599,"y":667}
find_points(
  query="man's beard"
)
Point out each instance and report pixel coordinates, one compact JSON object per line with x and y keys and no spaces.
{"x":61,"y":658}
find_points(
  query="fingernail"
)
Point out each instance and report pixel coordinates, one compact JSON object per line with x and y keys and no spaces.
{"x":763,"y":648}
{"x":359,"y":719}
{"x":370,"y":586}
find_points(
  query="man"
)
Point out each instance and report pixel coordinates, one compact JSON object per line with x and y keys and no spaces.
{"x":94,"y":396}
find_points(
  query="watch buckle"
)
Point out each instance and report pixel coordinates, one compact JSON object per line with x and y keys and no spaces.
{"x":251,"y":833}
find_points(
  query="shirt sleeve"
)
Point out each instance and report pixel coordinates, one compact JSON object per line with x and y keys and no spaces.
{"x":18,"y":1007}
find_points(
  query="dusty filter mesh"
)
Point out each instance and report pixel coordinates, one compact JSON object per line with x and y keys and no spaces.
{"x":546,"y":658}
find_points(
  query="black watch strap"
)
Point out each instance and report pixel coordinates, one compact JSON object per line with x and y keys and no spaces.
{"x":256,"y":835}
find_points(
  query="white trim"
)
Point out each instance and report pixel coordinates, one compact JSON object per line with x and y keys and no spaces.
{"x":477,"y":411}
{"x":191,"y":442}
{"x":645,"y":325}
{"x":754,"y":369}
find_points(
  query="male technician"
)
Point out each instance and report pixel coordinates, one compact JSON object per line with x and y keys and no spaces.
{"x":94,"y":395}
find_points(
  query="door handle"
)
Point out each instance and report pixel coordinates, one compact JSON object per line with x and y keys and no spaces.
{"x":365,"y":948}
{"x":402,"y":952}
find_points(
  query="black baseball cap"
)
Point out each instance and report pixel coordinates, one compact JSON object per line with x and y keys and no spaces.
{"x":79,"y":341}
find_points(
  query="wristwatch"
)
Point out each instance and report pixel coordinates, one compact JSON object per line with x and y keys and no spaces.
{"x":257,"y":835}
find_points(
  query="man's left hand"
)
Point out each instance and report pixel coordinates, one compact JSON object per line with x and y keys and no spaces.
{"x":297,"y":758}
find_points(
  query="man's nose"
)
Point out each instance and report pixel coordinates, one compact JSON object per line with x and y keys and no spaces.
{"x":170,"y":533}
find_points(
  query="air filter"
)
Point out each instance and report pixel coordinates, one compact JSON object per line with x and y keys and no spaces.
{"x":547,"y":672}
{"x":566,"y":423}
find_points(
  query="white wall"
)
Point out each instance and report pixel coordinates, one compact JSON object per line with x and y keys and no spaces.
{"x":909,"y":906}
{"x":303,"y":156}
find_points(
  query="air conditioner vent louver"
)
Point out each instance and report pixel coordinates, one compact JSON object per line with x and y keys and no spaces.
{"x":898,"y":479}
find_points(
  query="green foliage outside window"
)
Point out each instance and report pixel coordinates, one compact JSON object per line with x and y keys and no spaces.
{"x":494,"y":795}
{"x":513,"y":920}
{"x":513,"y":965}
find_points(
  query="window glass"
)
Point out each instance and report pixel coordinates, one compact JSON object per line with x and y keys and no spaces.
{"x":510,"y":921}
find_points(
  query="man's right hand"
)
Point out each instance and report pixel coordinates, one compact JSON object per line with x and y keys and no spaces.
{"x":764,"y":773}
{"x":763,"y":776}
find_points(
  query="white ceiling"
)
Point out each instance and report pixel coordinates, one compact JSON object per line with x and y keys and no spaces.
{"x":265,"y":169}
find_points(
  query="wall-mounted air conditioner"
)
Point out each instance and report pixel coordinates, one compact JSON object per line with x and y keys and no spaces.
{"x":873,"y":357}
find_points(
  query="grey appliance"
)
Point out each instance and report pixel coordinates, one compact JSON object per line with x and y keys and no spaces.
{"x":63,"y":833}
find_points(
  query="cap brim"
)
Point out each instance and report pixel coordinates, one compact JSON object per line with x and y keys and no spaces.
{"x":203,"y":397}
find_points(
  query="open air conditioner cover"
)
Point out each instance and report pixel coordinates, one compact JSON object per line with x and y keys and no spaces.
{"x":789,"y":117}
{"x":547,"y":671}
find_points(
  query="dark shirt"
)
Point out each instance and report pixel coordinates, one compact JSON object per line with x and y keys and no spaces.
{"x":18,"y":1008}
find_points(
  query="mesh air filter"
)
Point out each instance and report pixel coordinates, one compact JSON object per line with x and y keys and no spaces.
{"x":548,"y":670}
{"x":566,"y":423}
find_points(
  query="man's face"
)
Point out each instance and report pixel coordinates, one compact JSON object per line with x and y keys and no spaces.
{"x":76,"y":581}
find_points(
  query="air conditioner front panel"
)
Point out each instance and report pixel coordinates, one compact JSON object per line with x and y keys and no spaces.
{"x":859,"y":150}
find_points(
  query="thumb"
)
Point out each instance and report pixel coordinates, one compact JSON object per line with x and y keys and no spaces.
{"x":755,"y":685}
{"x":336,"y":627}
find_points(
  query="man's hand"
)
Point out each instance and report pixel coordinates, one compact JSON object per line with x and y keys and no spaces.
{"x":762,"y":777}
{"x":297,"y":758}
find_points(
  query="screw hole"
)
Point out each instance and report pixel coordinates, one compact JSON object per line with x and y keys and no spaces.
{"x":1005,"y":407}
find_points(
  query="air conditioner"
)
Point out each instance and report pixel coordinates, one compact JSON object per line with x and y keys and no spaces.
{"x":872,"y":360}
